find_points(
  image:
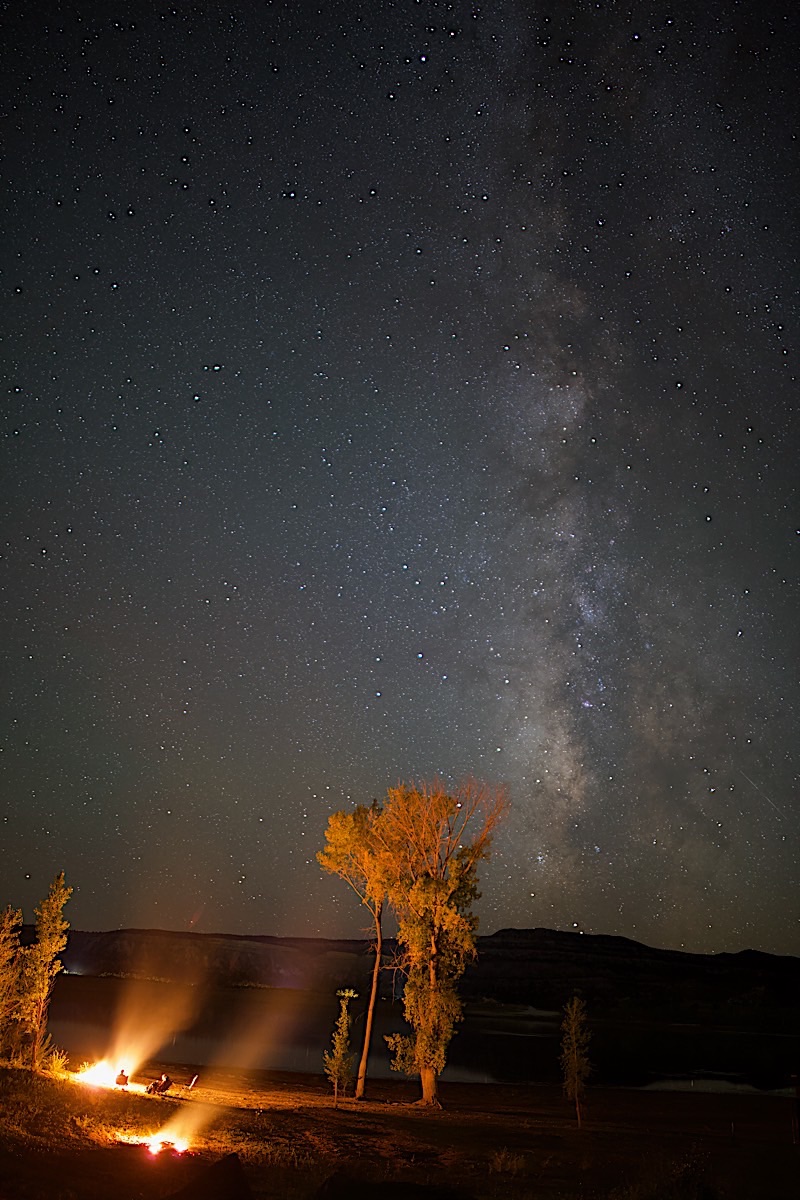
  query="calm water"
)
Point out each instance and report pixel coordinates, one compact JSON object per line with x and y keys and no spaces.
{"x":282,"y":1030}
{"x":278,"y":1030}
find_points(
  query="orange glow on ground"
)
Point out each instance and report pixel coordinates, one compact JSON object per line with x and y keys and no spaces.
{"x":174,"y":1137}
{"x":104,"y":1074}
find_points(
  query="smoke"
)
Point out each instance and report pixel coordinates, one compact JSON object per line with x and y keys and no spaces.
{"x":149,"y":1015}
{"x":184,"y":1126}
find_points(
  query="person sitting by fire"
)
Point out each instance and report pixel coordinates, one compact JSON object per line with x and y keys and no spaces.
{"x":122,"y":1078}
{"x":159,"y":1087}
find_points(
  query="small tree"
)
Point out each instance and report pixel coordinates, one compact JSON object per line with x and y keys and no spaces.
{"x":40,"y":965}
{"x":10,"y":964}
{"x":338,"y":1061}
{"x":575,"y":1066}
{"x":431,"y":841}
{"x":350,"y":853}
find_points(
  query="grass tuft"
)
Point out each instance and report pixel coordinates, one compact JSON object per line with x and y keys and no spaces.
{"x":506,"y":1162}
{"x":679,"y":1179}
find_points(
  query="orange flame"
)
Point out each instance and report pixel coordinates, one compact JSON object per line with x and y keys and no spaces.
{"x":155,"y":1143}
{"x":104,"y":1074}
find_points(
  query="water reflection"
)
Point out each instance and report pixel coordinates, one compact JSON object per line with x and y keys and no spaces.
{"x":280,"y":1030}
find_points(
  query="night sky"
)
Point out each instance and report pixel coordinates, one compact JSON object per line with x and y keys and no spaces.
{"x":392,"y":390}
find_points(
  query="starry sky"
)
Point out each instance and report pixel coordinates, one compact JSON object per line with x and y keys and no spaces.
{"x":395,"y":389}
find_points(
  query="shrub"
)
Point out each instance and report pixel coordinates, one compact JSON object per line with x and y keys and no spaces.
{"x":338,"y":1061}
{"x":57,"y":1062}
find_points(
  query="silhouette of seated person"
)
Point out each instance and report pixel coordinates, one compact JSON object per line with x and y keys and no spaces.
{"x":159,"y":1087}
{"x":122,"y":1078}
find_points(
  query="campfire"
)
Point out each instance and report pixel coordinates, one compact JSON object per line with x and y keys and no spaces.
{"x":156,"y":1142}
{"x":105,"y":1074}
{"x":176,"y":1136}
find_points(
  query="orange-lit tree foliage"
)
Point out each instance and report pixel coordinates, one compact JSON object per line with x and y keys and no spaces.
{"x":429,"y":843}
{"x":10,"y":959}
{"x":338,"y":1061}
{"x":40,"y":965}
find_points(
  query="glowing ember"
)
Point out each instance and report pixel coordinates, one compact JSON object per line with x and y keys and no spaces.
{"x":156,"y":1143}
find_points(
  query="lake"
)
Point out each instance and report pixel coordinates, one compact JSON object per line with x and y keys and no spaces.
{"x":280,"y":1029}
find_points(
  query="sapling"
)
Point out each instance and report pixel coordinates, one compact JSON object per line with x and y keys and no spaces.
{"x":575,"y":1064}
{"x":338,"y":1061}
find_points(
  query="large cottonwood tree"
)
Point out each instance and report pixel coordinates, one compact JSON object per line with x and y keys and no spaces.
{"x":429,"y":841}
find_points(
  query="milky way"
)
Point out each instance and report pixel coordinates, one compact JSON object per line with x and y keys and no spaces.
{"x":393,"y":391}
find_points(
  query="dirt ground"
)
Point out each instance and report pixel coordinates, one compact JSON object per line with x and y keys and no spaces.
{"x":488,"y":1141}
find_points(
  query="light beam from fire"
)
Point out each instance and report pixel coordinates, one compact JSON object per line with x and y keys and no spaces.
{"x":149,"y":1014}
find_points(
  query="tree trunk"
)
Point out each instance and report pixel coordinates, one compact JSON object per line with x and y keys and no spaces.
{"x":376,"y":971}
{"x":430,"y":1093}
{"x":427,"y":1075}
{"x":39,"y":1029}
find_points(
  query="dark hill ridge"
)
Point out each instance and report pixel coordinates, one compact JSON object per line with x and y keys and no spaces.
{"x":618,"y":976}
{"x":537,"y":967}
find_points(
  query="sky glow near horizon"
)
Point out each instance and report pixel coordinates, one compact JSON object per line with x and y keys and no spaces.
{"x":404,"y":390}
